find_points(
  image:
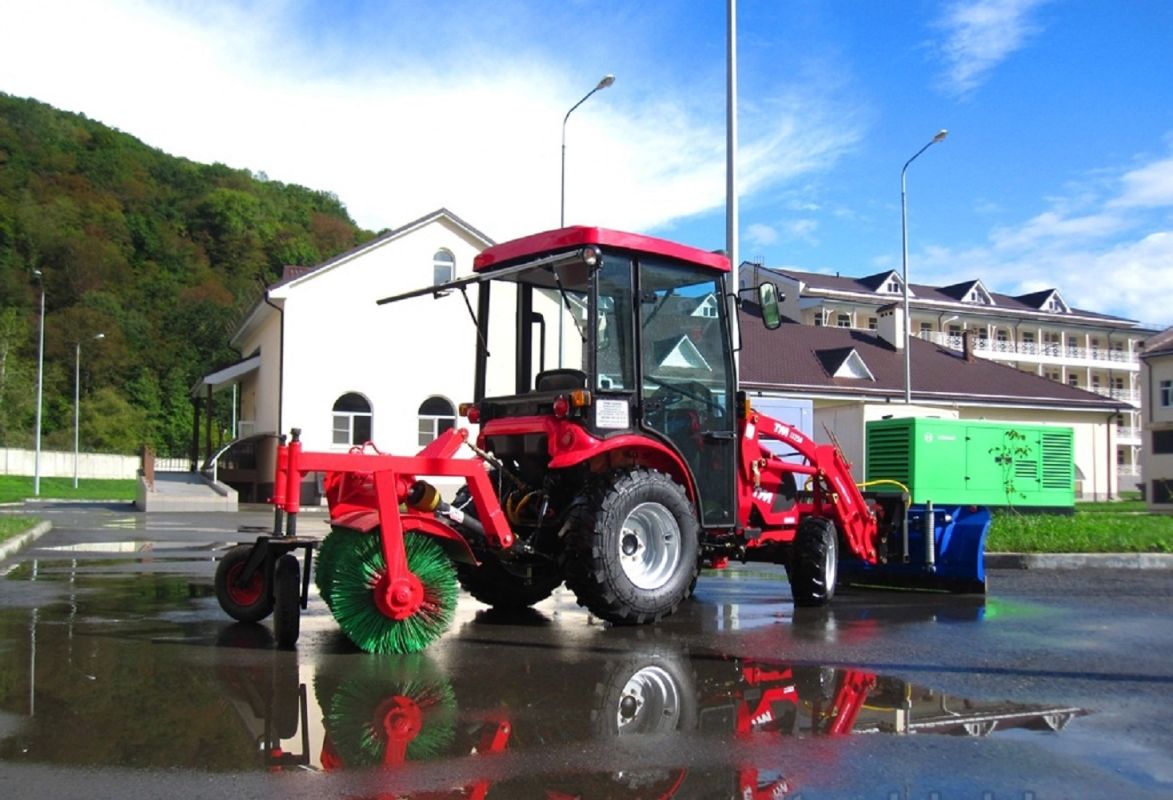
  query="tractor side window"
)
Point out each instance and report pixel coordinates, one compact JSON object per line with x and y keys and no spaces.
{"x":614,"y":359}
{"x":351,"y":419}
{"x":436,"y":415}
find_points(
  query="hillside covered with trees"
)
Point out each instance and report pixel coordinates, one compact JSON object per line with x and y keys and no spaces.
{"x":160,"y":255}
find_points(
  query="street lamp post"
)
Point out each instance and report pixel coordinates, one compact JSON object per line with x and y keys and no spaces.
{"x":604,"y":82}
{"x":40,"y":387}
{"x":940,"y":137}
{"x":77,"y":401}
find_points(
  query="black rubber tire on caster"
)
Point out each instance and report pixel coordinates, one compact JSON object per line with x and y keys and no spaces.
{"x":287,"y":600}
{"x":251,"y":602}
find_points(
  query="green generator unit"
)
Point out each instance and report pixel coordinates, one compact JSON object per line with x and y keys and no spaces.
{"x":966,"y":462}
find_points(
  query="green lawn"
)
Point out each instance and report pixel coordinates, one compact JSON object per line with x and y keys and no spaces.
{"x":1122,"y":527}
{"x":14,"y":488}
{"x":14,"y":526}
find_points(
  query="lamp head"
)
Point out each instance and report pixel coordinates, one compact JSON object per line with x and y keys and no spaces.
{"x":99,"y":336}
{"x":605,"y":82}
{"x":941,"y":134}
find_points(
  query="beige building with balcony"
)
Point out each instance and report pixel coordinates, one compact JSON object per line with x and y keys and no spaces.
{"x":1157,"y":471}
{"x":1037,"y":333}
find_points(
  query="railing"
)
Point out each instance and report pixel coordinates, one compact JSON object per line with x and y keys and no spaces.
{"x":995,"y":347}
{"x":1125,"y":434}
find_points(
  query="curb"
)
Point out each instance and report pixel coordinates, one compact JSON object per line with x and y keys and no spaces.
{"x":1079,"y":560}
{"x":15,"y":544}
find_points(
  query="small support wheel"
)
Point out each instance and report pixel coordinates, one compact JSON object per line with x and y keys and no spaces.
{"x":251,"y":601}
{"x":287,"y":600}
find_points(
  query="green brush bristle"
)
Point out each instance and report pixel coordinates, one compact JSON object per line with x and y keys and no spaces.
{"x":356,"y":726}
{"x":353,"y":601}
{"x":337,"y":544}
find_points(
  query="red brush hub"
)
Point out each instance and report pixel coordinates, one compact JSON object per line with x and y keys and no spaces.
{"x":400,"y":598}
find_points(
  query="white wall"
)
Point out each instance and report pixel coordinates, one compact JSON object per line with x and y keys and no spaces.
{"x":57,"y":464}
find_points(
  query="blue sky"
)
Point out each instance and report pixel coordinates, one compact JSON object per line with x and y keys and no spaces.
{"x":1057,"y":172}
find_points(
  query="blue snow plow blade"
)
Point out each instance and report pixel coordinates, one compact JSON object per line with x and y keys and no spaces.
{"x":954,"y":563}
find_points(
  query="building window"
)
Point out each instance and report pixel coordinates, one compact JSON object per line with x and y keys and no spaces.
{"x":892,"y":286}
{"x":925,"y":329}
{"x":352,"y":419}
{"x":818,"y":319}
{"x":954,"y":330}
{"x":873,"y":323}
{"x":843,"y":321}
{"x":436,"y":416}
{"x":443,"y":267}
{"x":1053,"y":374}
{"x":1002,"y":335}
{"x":1073,"y":380}
{"x":1162,"y":442}
{"x":1166,"y":394}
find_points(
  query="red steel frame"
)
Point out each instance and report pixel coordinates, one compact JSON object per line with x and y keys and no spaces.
{"x":366,"y":488}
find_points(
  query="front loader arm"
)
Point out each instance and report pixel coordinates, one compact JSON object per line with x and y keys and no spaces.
{"x":836,"y":495}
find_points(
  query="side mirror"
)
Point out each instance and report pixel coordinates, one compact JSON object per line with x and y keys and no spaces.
{"x":768,"y":303}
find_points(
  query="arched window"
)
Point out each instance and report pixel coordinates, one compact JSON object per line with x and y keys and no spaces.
{"x":436,"y":416}
{"x":443,"y":267}
{"x":352,"y":419}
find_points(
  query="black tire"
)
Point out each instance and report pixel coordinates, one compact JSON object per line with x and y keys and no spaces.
{"x":250,"y":603}
{"x":495,"y":585}
{"x":287,"y":600}
{"x":814,"y":564}
{"x":632,"y":549}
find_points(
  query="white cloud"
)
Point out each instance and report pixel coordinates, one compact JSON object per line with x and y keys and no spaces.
{"x":759,"y":235}
{"x":1149,"y":186}
{"x":980,"y":35}
{"x":396,"y":137}
{"x":1111,"y":253}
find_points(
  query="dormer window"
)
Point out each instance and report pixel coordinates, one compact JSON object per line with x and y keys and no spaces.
{"x":891,"y":286}
{"x":978,"y":296}
{"x":707,"y":308}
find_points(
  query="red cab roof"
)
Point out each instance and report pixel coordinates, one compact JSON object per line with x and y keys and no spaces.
{"x":539,"y":244}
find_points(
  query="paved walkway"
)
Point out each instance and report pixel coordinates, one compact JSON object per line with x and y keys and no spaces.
{"x":185,"y":491}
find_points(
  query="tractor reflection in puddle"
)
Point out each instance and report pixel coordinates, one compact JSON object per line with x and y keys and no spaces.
{"x":639,"y":724}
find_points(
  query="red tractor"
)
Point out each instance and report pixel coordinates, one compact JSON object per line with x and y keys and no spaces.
{"x":620,"y":473}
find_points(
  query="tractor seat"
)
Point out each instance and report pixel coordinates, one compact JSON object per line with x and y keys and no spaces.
{"x":555,"y":380}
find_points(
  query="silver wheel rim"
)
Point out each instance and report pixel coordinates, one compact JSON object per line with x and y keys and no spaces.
{"x":649,"y":546}
{"x":649,"y":703}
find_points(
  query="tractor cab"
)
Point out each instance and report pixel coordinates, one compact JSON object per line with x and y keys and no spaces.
{"x":621,"y":356}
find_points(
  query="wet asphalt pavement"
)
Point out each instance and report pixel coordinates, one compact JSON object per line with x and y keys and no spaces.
{"x":121,"y":677}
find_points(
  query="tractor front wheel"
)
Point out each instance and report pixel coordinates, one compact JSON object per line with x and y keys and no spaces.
{"x":632,"y":557}
{"x":250,"y":601}
{"x":814,"y":564}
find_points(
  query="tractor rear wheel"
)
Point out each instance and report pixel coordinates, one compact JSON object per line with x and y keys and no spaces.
{"x":496,"y":585}
{"x":632,"y":554}
{"x":814,"y":564}
{"x":245,"y":602}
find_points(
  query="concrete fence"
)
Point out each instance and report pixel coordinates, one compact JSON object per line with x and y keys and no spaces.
{"x":58,"y":464}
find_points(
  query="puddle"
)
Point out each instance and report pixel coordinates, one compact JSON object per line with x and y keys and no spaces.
{"x":142,"y":670}
{"x":129,"y":685}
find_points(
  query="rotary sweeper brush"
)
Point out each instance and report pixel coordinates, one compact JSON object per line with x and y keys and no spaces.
{"x":621,"y":476}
